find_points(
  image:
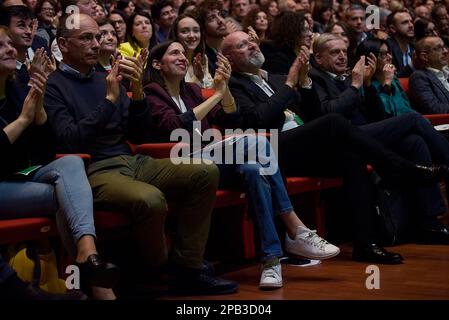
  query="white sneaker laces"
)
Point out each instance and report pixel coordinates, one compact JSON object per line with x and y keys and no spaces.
{"x":314,"y":239}
{"x":270,"y":273}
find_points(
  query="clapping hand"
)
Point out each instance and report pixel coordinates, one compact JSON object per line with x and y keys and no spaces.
{"x":131,"y":68}
{"x":358,"y":73}
{"x":222,"y":74}
{"x":370,"y":69}
{"x":389,"y":71}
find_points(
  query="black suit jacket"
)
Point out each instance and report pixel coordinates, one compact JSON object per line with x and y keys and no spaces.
{"x":212,"y":60}
{"x":348,"y":100}
{"x":259,"y":111}
{"x":396,"y":53}
{"x":427,"y":93}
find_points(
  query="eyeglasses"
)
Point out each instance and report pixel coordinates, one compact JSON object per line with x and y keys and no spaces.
{"x":88,"y":38}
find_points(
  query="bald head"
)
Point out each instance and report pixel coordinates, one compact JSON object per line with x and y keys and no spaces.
{"x":230,"y":40}
{"x":73,"y":23}
{"x":431,"y":52}
{"x":243,"y":53}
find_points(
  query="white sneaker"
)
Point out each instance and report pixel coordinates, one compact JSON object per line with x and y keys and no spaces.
{"x":271,"y":277}
{"x":309,"y":244}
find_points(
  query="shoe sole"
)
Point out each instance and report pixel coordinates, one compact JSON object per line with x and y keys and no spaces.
{"x":268,"y":287}
{"x":397,"y":261}
{"x":315,"y":257}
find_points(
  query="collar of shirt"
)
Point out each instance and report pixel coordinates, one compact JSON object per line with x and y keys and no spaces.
{"x":443,"y":73}
{"x":68,"y":69}
{"x":29,"y":57}
{"x":339,"y":78}
{"x":260,"y":81}
{"x":19,"y":65}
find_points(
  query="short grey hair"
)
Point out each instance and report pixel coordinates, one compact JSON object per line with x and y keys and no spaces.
{"x":320,"y":43}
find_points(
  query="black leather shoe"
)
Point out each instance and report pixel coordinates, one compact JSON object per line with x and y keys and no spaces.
{"x":99,"y":273}
{"x":376,"y":254}
{"x":208,"y":268}
{"x":187,"y":281}
{"x":436,"y":233}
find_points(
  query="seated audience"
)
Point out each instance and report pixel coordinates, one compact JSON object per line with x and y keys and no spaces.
{"x":409,"y":134}
{"x":95,"y":116}
{"x":176,"y":104}
{"x":325,"y":147}
{"x":53,"y":187}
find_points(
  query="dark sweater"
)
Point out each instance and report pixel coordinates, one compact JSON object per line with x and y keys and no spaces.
{"x":33,"y":147}
{"x":84,"y":121}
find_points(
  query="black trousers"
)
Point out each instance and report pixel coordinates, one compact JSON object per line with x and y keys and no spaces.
{"x":414,"y":138}
{"x":330,"y":147}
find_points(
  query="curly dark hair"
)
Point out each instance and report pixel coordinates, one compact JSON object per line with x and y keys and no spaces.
{"x":205,"y":7}
{"x":250,"y":19}
{"x":288,"y":28}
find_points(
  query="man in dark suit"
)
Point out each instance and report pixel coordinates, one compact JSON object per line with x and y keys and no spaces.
{"x":328,"y":146}
{"x":402,"y":32}
{"x":429,"y":86}
{"x":409,"y":134}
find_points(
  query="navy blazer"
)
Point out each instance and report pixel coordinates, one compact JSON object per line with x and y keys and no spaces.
{"x":427,"y":93}
{"x":259,"y":111}
{"x":396,"y":53}
{"x":347,"y":100}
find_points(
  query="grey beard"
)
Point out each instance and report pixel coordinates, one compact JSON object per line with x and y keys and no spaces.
{"x":257,"y":61}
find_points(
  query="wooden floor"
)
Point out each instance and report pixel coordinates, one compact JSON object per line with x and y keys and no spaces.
{"x":423,"y":275}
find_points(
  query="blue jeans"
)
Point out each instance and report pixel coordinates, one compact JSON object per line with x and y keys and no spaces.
{"x":60,"y":188}
{"x":266,"y":192}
